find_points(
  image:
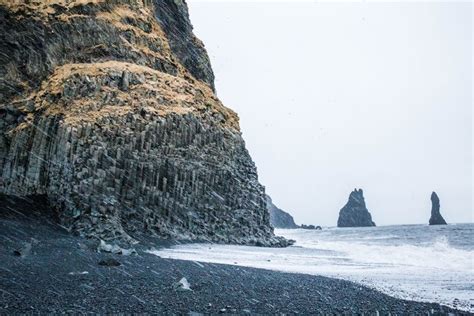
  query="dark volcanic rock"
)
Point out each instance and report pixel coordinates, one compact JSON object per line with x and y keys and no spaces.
{"x":173,"y":17}
{"x":310,"y":227}
{"x":278,"y":217}
{"x":436,"y":218}
{"x":107,"y":109}
{"x":109,"y":262}
{"x":355,"y":213}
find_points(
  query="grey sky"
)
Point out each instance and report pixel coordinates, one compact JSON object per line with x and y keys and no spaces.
{"x":334,"y":96}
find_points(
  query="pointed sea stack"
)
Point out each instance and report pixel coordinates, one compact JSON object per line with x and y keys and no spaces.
{"x":436,"y":218}
{"x":355,"y":213}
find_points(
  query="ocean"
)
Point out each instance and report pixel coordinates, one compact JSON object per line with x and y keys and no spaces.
{"x":416,"y":262}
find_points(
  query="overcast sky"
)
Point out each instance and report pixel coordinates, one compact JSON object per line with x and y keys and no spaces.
{"x":334,"y":96}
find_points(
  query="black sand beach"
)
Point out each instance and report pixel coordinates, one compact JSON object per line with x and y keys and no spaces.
{"x":44,"y":269}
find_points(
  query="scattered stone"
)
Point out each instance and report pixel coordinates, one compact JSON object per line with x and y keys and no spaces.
{"x":227,"y":309}
{"x":355,"y":213}
{"x":109,"y":262}
{"x":23,"y":252}
{"x":104,"y":247}
{"x":79,"y":273}
{"x":82,"y":246}
{"x":115,"y":249}
{"x":128,"y":252}
{"x":436,"y":218}
{"x":182,"y":285}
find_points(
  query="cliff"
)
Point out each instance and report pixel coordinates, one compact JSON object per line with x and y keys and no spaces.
{"x":355,"y":213}
{"x":107,"y":108}
{"x":278,"y":217}
{"x":436,"y":218}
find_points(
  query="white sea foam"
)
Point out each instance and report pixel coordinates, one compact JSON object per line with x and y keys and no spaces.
{"x":410,"y":262}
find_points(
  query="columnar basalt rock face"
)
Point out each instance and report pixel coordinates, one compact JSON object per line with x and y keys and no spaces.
{"x":105,"y":112}
{"x":355,"y":213}
{"x":436,"y":218}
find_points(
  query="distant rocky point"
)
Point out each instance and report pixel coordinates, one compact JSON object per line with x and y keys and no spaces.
{"x":282,"y":219}
{"x":355,"y":213}
{"x":436,"y":218}
{"x":278,"y":217}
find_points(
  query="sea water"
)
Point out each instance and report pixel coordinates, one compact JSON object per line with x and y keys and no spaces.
{"x":416,"y":262}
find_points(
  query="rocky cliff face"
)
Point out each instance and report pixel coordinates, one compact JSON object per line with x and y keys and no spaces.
{"x":173,"y":17}
{"x":108,"y":109}
{"x":436,"y":218}
{"x":355,"y":213}
{"x":278,"y":217}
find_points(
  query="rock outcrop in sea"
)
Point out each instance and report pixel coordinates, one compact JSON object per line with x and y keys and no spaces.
{"x":278,"y":217}
{"x":436,"y":218}
{"x":108,"y":109}
{"x":312,"y":227}
{"x":355,"y":213}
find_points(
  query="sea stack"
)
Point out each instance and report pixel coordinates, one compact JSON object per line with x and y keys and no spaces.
{"x":108,"y":109}
{"x":436,"y":218}
{"x":355,"y":213}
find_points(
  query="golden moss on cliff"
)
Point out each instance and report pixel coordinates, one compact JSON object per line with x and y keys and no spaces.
{"x":59,"y":32}
{"x":157,"y":92}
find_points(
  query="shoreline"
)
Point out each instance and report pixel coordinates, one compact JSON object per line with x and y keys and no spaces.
{"x":60,"y":272}
{"x":407,"y":281}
